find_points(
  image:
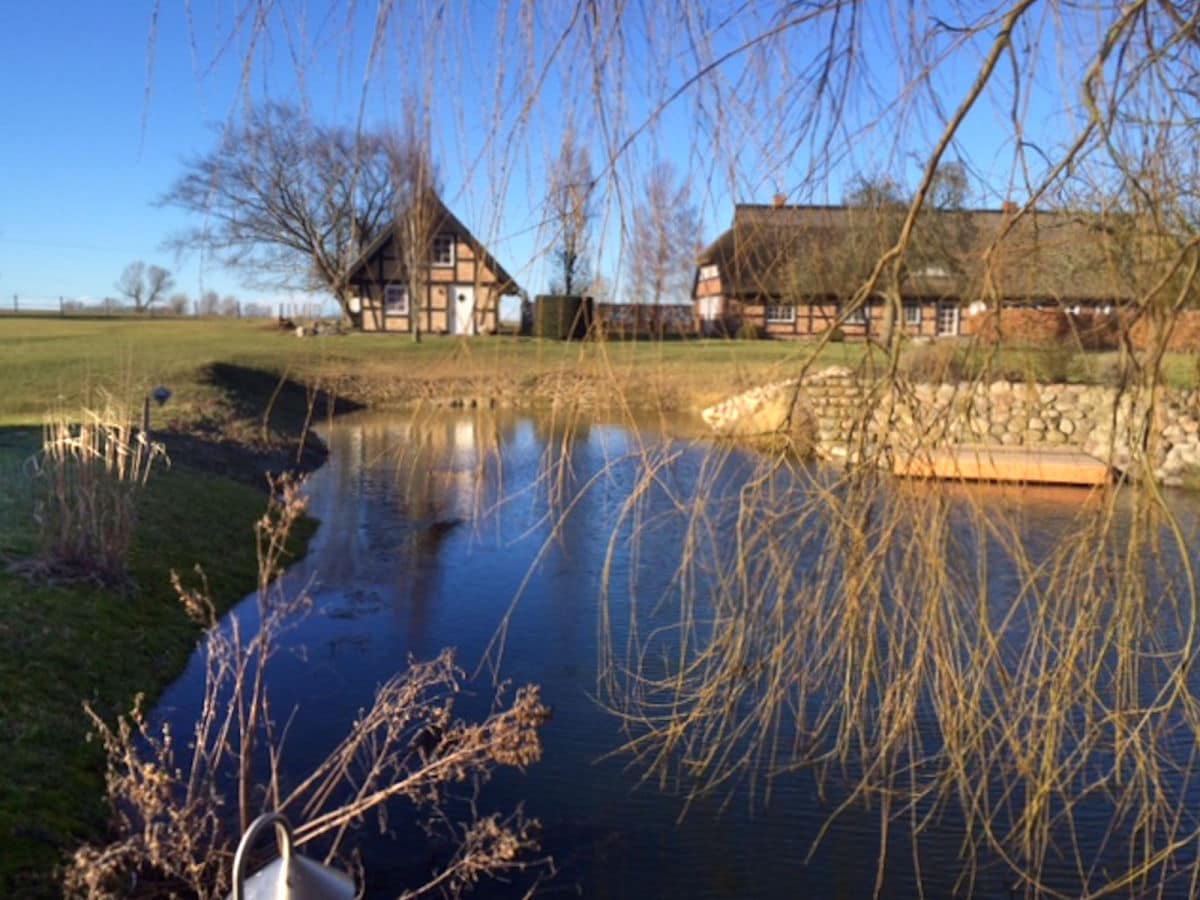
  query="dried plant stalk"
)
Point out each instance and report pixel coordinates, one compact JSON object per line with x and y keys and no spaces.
{"x":178,"y":811}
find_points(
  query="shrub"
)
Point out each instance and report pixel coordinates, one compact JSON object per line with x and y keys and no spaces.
{"x":1094,"y":368}
{"x":937,"y":362}
{"x":837,"y":336}
{"x":1044,"y":366}
{"x":748,"y":331}
{"x":561,"y":317}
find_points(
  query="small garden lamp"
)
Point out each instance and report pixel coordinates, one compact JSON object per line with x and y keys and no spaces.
{"x":161,"y":395}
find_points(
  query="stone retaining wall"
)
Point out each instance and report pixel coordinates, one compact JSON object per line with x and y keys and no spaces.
{"x":833,"y":407}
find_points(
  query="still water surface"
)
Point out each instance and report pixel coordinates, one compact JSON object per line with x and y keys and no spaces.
{"x":427,"y":535}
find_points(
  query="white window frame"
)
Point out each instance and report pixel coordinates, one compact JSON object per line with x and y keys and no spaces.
{"x":780,"y":314}
{"x":913,"y":314}
{"x":708,"y":272}
{"x":858,"y":316}
{"x":395,"y":300}
{"x":435,"y":259}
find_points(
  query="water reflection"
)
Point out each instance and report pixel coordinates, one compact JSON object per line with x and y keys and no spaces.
{"x":431,"y":525}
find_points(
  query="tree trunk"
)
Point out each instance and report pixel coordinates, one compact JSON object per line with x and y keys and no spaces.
{"x":892,"y":315}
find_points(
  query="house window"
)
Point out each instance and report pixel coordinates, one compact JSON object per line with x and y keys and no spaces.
{"x":443,"y":250}
{"x":857,"y":316}
{"x":708,"y":272}
{"x":395,"y":300}
{"x":947,"y":319}
{"x":912,"y":314}
{"x":781,"y":314}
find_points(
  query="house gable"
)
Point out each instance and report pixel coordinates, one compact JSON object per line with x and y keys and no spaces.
{"x":459,"y":273}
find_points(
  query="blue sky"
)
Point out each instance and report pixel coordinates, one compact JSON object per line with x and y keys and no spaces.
{"x":89,"y":149}
{"x":97,"y":126}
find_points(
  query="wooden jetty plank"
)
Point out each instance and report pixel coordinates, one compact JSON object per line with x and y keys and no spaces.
{"x":1008,"y":464}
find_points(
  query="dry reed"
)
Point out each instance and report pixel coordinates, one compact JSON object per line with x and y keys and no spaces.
{"x":89,"y":473}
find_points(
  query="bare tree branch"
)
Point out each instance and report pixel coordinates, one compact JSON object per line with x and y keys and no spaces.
{"x":284,"y":199}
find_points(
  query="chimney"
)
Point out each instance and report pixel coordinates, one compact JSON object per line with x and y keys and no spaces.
{"x":778,"y":201}
{"x":1009,"y":208}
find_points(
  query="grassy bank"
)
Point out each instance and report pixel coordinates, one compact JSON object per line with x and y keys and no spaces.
{"x":44,"y":359}
{"x":48,"y":358}
{"x":61,"y":644}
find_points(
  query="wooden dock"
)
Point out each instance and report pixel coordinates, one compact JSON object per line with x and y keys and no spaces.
{"x":1026,"y":465}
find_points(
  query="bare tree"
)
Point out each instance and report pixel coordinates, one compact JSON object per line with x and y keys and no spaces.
{"x":158,"y":283}
{"x":287,"y":200}
{"x":178,"y":304}
{"x":144,"y":285}
{"x":570,"y":213}
{"x":209,"y":304}
{"x":666,"y":228}
{"x":418,"y":211}
{"x":132,"y":285}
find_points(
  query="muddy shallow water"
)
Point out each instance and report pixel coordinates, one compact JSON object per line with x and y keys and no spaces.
{"x":428,"y":533}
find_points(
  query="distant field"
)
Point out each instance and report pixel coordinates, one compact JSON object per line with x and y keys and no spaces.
{"x":44,"y":361}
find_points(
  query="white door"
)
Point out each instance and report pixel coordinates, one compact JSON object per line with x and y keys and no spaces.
{"x":710,"y":308}
{"x":463,"y":319}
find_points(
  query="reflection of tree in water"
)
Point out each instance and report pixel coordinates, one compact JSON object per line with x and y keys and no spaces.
{"x":448,"y":467}
{"x":417,"y":574}
{"x":428,"y":478}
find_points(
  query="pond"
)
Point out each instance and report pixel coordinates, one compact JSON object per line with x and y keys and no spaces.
{"x":435,"y":531}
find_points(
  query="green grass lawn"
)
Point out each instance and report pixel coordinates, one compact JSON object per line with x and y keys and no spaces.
{"x":43,"y":360}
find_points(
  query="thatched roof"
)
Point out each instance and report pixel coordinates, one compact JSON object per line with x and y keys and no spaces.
{"x":787,"y":252}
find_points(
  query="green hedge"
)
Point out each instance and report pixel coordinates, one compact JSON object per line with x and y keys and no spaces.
{"x":562,"y":317}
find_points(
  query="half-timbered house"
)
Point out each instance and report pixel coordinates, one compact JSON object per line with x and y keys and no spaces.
{"x":460,"y":282}
{"x":794,"y":271}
